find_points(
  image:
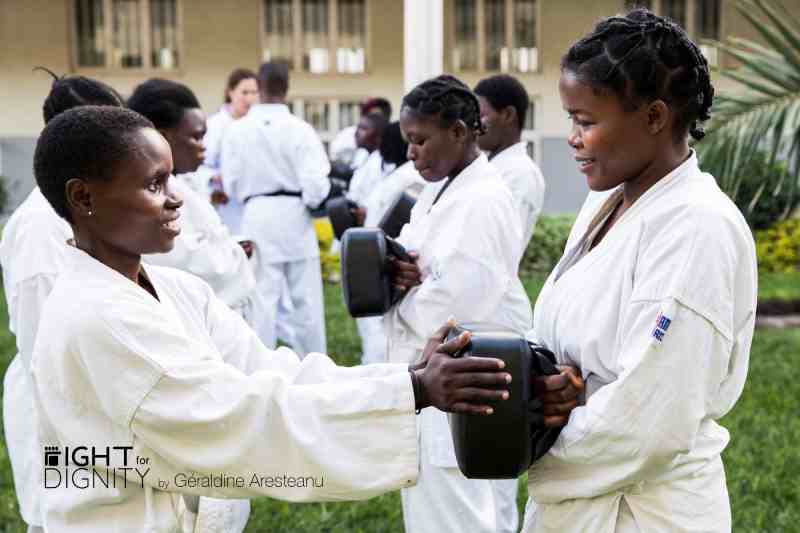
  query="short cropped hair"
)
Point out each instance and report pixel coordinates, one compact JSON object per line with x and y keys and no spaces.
{"x":502,"y":91}
{"x":273,"y":78}
{"x":86,"y":142}
{"x":164,"y":102}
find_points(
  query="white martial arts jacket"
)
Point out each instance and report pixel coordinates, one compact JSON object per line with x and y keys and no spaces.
{"x":527,"y":186}
{"x":367,"y":177}
{"x":469,"y":248}
{"x":271,"y":150}
{"x":403,"y":178}
{"x":216,"y":127}
{"x":659,"y":317}
{"x":206,"y":248}
{"x":33,"y":252}
{"x":185,"y":383}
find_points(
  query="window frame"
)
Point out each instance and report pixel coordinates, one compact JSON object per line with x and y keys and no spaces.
{"x":533,"y":136}
{"x":480,"y":38}
{"x":108,"y":39}
{"x":297,"y":107}
{"x":692,"y":27}
{"x":333,"y":35}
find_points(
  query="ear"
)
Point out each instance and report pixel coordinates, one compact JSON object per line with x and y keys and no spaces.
{"x":658,"y":116}
{"x":509,"y":115}
{"x":459,"y":131}
{"x":79,"y":197}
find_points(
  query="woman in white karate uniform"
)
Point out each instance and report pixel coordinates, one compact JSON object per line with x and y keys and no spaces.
{"x":149,"y":360}
{"x":205,"y":247}
{"x":654,"y":299}
{"x":33,"y":253}
{"x":466,"y":234}
{"x":241,"y":92}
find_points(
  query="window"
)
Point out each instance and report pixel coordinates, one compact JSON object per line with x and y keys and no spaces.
{"x":328,"y":115}
{"x":316,"y":36}
{"x":126,"y":34}
{"x":529,"y":135}
{"x":495,"y":35}
{"x":700,"y":18}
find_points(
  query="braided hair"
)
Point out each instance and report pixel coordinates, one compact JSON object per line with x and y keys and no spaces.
{"x":643,"y":57}
{"x":448,"y":99}
{"x":73,"y":91}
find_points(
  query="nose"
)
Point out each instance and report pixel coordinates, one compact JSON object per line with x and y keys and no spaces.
{"x":574,"y":138}
{"x":411,"y":153}
{"x":174,"y":199}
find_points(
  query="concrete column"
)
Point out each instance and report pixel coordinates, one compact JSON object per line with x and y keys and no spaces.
{"x":423,"y":41}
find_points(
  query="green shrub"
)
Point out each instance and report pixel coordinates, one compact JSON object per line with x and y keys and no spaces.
{"x":755,"y":196}
{"x":778,"y":248}
{"x":547,"y":244}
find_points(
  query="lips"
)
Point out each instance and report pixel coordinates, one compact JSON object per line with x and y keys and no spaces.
{"x":171,"y":225}
{"x":584,"y":162}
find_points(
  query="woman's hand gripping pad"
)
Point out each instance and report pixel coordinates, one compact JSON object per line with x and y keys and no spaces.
{"x":504,"y":444}
{"x":366,"y":263}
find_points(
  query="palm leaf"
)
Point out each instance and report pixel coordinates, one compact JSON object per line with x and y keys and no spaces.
{"x":763,"y":116}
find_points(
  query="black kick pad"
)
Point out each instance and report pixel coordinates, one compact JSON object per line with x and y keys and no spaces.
{"x":504,"y":444}
{"x":398,"y":215}
{"x":367,"y":271}
{"x":339,"y":213}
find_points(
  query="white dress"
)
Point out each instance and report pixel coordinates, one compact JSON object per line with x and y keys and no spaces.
{"x":469,"y":250}
{"x":191,"y":390}
{"x":659,"y":317}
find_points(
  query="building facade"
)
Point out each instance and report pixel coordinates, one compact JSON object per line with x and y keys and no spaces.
{"x":341,"y":52}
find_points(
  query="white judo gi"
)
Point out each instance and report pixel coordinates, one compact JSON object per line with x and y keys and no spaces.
{"x":189,"y":387}
{"x":33,"y":252}
{"x":659,"y":317}
{"x":469,"y":250}
{"x":527,"y":186}
{"x":343,"y":147}
{"x":216,"y":127}
{"x":268,"y":151}
{"x":206,"y":248}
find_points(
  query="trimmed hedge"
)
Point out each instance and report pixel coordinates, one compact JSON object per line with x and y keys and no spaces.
{"x":547,"y":244}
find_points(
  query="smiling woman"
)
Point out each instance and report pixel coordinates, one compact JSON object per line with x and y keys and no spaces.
{"x":659,"y":270}
{"x":149,"y":359}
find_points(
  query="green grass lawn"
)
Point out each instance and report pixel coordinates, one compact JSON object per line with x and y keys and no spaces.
{"x":761,"y":462}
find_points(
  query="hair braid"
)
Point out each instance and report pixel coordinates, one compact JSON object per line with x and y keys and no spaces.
{"x":447,"y":98}
{"x":67,"y":92}
{"x":643,"y":57}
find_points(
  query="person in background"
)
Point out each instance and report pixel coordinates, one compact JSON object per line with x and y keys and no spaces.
{"x":241,"y":92}
{"x":276,"y":165}
{"x":466,"y":239}
{"x":343,"y":147}
{"x":504,"y":104}
{"x":400,"y":177}
{"x":365,"y":178}
{"x":205,"y":247}
{"x":33,"y":253}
